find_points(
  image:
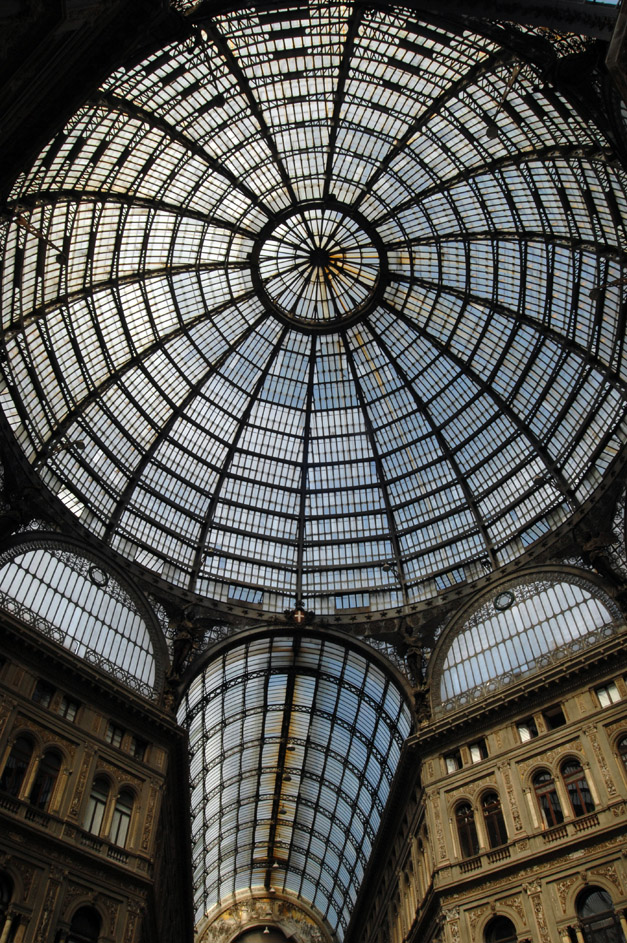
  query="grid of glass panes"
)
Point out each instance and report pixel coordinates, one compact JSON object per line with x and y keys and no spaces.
{"x":75,"y":603}
{"x":294,"y":744}
{"x":465,"y":417}
{"x":497,"y":646}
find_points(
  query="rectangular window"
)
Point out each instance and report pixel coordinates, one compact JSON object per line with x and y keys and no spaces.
{"x":554,"y":717}
{"x":68,"y":708}
{"x":527,"y":729}
{"x":114,"y":735}
{"x":478,"y":751}
{"x":453,"y":761}
{"x":43,"y":693}
{"x":138,"y":748}
{"x":608,"y":694}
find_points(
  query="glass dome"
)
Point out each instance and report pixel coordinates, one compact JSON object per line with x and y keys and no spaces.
{"x":320,"y":304}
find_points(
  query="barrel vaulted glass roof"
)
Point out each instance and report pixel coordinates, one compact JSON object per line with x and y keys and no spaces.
{"x":321,"y":303}
{"x":294,"y":744}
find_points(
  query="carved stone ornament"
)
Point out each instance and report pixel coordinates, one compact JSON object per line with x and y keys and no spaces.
{"x":563,"y":888}
{"x":27,"y":874}
{"x":80,"y":786}
{"x":600,"y":758}
{"x":439,"y":830}
{"x":112,"y":908}
{"x":295,"y":923}
{"x":131,"y":922}
{"x":47,"y":736}
{"x":533,"y":889}
{"x":121,"y":777}
{"x":550,"y":756}
{"x":44,"y":930}
{"x":610,"y":874}
{"x":475,"y":916}
{"x":452,"y":921}
{"x":150,"y":814}
{"x":72,"y":892}
{"x":513,"y":805}
{"x":515,"y":903}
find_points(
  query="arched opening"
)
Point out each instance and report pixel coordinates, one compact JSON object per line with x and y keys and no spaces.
{"x":45,"y":780}
{"x":493,"y":818}
{"x":622,"y":750}
{"x":85,"y":926}
{"x":16,"y":765}
{"x":599,"y":923}
{"x":500,"y":930}
{"x":122,"y":817}
{"x":265,"y":934}
{"x":467,"y":830}
{"x":6,"y":893}
{"x":548,"y":800}
{"x":577,"y":786}
{"x":98,"y":798}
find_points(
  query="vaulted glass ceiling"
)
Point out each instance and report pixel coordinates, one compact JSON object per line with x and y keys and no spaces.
{"x":322,"y":303}
{"x":294,"y":742}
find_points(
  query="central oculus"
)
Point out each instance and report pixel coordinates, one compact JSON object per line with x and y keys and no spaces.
{"x":319,"y":265}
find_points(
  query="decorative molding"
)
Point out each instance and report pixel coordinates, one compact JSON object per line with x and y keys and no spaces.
{"x":513,"y":805}
{"x":44,"y":930}
{"x":27,"y":874}
{"x":82,"y":782}
{"x":150,"y":814}
{"x":563,"y":887}
{"x":600,"y":758}
{"x":297,"y":925}
{"x":610,"y":874}
{"x":535,"y":896}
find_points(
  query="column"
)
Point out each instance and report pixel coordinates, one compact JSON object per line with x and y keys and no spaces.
{"x":8,"y":923}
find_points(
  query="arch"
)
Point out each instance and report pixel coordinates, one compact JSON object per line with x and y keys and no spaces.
{"x":122,"y":816}
{"x":85,"y":925}
{"x":547,"y":798}
{"x":6,"y":894}
{"x":517,"y":630}
{"x":80,"y":600}
{"x":621,"y":749}
{"x":576,"y":784}
{"x":466,"y":829}
{"x":500,"y":930}
{"x":493,"y":819}
{"x":262,"y":934}
{"x":48,"y":768}
{"x":306,"y":728}
{"x":595,"y":910}
{"x":99,"y":794}
{"x":17,"y":764}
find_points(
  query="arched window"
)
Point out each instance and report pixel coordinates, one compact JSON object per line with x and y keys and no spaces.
{"x":596,"y":914}
{"x":577,"y":786}
{"x":85,"y":926}
{"x":548,"y":799}
{"x":494,"y":821}
{"x":17,"y":763}
{"x":97,"y":804}
{"x":500,"y":930}
{"x":6,"y":893}
{"x":122,"y":817}
{"x":47,"y":772}
{"x":467,"y":830}
{"x":622,"y":750}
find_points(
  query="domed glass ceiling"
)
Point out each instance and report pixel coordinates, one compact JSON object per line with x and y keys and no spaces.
{"x":322,"y":303}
